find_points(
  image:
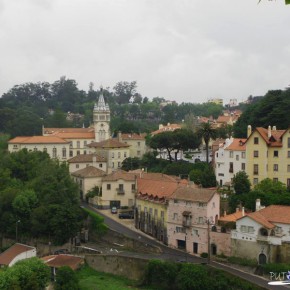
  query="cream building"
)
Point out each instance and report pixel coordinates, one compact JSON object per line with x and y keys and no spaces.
{"x":137,"y":143}
{"x":268,"y":155}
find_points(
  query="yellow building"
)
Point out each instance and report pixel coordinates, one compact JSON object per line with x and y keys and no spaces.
{"x":151,"y":203}
{"x":268,"y":155}
{"x":137,"y":143}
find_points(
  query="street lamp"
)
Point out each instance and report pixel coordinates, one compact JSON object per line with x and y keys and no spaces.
{"x":16,"y":230}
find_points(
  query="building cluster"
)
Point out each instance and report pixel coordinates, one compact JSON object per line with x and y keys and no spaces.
{"x":170,"y":209}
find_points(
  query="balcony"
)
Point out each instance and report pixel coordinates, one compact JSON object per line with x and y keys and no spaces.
{"x":186,"y":223}
{"x":120,"y":191}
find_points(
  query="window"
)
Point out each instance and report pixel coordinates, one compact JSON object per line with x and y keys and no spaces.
{"x":275,"y":167}
{"x":155,"y":212}
{"x":113,"y":154}
{"x":288,"y":168}
{"x":54,"y":152}
{"x":175,"y":200}
{"x":201,"y":204}
{"x":256,"y":140}
{"x":175,"y":216}
{"x":231,"y":154}
{"x":288,"y":182}
{"x":275,"y":179}
{"x":247,"y":229}
{"x":108,"y":186}
{"x":85,"y":152}
{"x":35,"y":149}
{"x":113,"y":165}
{"x":237,"y":157}
{"x":138,"y":153}
{"x":63,"y":152}
{"x":243,"y":155}
{"x":71,"y":153}
{"x":288,"y":154}
{"x":133,"y":187}
{"x":188,"y":203}
{"x":125,"y":154}
{"x":101,"y":165}
{"x":139,"y":144}
{"x":180,"y":230}
{"x":276,"y":153}
{"x":256,"y":153}
{"x":77,"y":165}
{"x":195,"y":232}
{"x":119,"y":164}
{"x":288,"y":142}
{"x":243,"y":229}
{"x":256,"y":169}
{"x":78,"y":144}
{"x":200,"y":220}
{"x":119,"y":154}
{"x":243,"y":166}
{"x":255,"y":181}
{"x":44,"y":149}
{"x":231,"y":169}
{"x":78,"y":152}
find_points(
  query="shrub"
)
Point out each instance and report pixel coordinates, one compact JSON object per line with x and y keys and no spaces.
{"x":204,"y":255}
{"x":243,"y":261}
{"x":66,"y":279}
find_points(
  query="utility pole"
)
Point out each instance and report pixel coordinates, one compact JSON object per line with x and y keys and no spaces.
{"x":16,"y":231}
{"x":208,"y":241}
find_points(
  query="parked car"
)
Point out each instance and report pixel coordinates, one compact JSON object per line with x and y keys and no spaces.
{"x":126,"y":215}
{"x":114,"y":210}
{"x":61,"y":251}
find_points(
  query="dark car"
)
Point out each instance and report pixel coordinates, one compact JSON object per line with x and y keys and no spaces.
{"x":61,"y":251}
{"x":126,"y":215}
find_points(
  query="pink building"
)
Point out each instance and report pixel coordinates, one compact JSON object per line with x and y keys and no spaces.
{"x":193,"y":214}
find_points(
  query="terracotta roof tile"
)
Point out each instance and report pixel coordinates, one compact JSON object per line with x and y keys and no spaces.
{"x":7,"y":256}
{"x":232,"y":217}
{"x":110,"y":143}
{"x":57,"y":261}
{"x":84,"y":158}
{"x":120,"y":174}
{"x":76,"y":135}
{"x":237,"y":145}
{"x":193,"y":194}
{"x":38,"y":140}
{"x":133,"y":136}
{"x":171,"y":127}
{"x":54,"y":131}
{"x":275,"y":139}
{"x":89,"y":171}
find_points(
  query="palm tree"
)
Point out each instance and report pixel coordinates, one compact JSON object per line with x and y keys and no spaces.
{"x":206,"y":132}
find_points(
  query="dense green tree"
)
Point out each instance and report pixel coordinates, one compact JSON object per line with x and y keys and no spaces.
{"x":131,"y":163}
{"x":206,"y":132}
{"x":124,"y":91}
{"x":241,"y":182}
{"x":66,"y":279}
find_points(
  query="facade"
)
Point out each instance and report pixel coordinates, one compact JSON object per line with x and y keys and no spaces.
{"x":192,"y":212}
{"x":263,"y":235}
{"x":54,"y":146}
{"x":84,"y":160}
{"x":87,"y":178}
{"x":118,"y":190}
{"x":165,"y":128}
{"x":268,"y":155}
{"x":230,"y":159}
{"x":16,"y":253}
{"x":151,"y":203}
{"x":137,"y":144}
{"x":114,"y":151}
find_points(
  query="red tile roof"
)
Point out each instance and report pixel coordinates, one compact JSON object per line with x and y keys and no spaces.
{"x":276,"y":136}
{"x":7,"y":256}
{"x":57,"y":261}
{"x":38,"y":140}
{"x":89,"y":171}
{"x":237,"y":145}
{"x":54,"y":131}
{"x":84,"y":158}
{"x":133,"y":136}
{"x":232,"y":217}
{"x":76,"y":135}
{"x":272,"y":214}
{"x":106,"y":144}
{"x":171,"y":127}
{"x":193,"y":194}
{"x":120,"y":174}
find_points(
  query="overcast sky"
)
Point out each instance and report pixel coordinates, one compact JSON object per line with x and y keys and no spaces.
{"x":183,"y":50}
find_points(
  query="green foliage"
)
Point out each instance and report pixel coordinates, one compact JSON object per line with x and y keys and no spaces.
{"x":96,"y":222}
{"x":204,"y":255}
{"x":203,"y":174}
{"x":161,"y":274}
{"x":29,"y":274}
{"x":243,"y":261}
{"x":131,"y":163}
{"x":192,"y":276}
{"x":241,"y":182}
{"x":66,"y":279}
{"x":275,"y":267}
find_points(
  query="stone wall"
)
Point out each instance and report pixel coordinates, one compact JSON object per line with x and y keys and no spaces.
{"x":132,"y":268}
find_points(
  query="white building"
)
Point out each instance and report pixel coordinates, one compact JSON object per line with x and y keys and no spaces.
{"x":230,"y":159}
{"x":263,"y":235}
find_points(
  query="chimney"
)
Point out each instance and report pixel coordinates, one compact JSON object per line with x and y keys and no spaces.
{"x":225,"y":213}
{"x":94,"y":160}
{"x":258,"y":204}
{"x":274,"y":128}
{"x":119,"y":136}
{"x":249,"y":131}
{"x":243,"y":211}
{"x":237,"y":209}
{"x":269,"y":131}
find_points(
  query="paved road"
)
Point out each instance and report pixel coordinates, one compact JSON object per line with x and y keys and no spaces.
{"x":177,"y":255}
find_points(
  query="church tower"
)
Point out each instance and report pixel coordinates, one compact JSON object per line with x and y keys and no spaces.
{"x":102,"y":117}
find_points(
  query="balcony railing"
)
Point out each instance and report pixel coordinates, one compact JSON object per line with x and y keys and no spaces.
{"x":120,"y":191}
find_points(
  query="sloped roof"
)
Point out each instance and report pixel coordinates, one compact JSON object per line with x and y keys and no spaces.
{"x":120,"y":174}
{"x":271,"y":214}
{"x":57,"y":261}
{"x":232,"y":217}
{"x":276,"y":136}
{"x":83,"y":158}
{"x":7,"y":256}
{"x":193,"y":194}
{"x":106,"y":144}
{"x":89,"y":171}
{"x":238,"y":144}
{"x":76,"y":135}
{"x":224,"y":119}
{"x":168,"y":128}
{"x":37,"y":140}
{"x":55,"y":131}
